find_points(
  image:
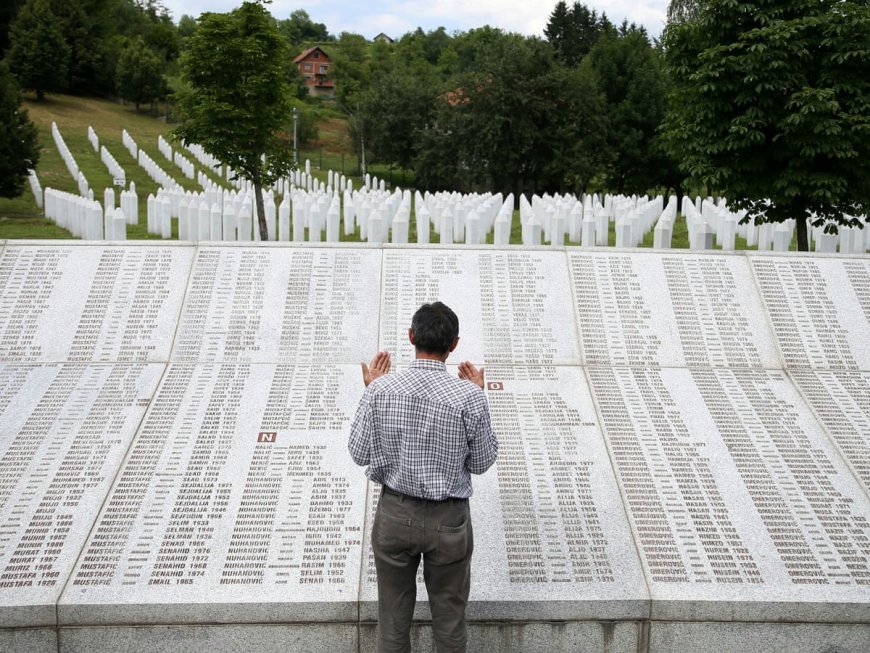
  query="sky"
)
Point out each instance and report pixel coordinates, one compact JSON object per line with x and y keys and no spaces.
{"x":396,"y":17}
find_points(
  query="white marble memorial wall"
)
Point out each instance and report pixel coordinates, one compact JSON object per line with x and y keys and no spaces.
{"x":683,"y":435}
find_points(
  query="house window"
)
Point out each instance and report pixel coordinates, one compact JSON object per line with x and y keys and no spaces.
{"x":316,"y":55}
{"x":308,"y":68}
{"x":322,"y":69}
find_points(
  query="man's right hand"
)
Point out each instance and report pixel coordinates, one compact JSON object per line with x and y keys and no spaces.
{"x":379,"y":366}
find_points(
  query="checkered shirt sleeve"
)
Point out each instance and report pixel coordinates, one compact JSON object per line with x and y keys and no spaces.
{"x":423,"y":432}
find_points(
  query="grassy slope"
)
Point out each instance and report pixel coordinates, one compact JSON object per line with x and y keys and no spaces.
{"x":21,"y":218}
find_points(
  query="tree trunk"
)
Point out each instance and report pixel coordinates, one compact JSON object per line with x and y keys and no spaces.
{"x":40,"y":95}
{"x":362,"y":164}
{"x":803,"y":244}
{"x":261,"y":208}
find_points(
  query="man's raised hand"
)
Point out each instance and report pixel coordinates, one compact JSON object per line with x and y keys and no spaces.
{"x":469,"y":372}
{"x":379,"y":366}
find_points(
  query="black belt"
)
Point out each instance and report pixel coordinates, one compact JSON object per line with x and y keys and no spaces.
{"x":389,"y":490}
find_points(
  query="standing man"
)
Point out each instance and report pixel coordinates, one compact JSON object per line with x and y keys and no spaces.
{"x":422,"y":434}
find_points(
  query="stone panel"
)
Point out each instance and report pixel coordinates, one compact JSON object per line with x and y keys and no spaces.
{"x":237,"y":502}
{"x":730,"y":637}
{"x":260,"y":638}
{"x":90,"y":303}
{"x":513,"y":306}
{"x":841,"y":401}
{"x":64,"y":430}
{"x":551,"y":538}
{"x":739,"y":503}
{"x":552,"y":637}
{"x":670,"y":310}
{"x":819,"y":309}
{"x":280,"y":305}
{"x":28,"y":640}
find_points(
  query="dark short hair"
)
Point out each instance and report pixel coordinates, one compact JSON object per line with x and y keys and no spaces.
{"x":435,"y":328}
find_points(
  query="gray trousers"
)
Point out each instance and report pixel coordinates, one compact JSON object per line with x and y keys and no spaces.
{"x":405,"y":529}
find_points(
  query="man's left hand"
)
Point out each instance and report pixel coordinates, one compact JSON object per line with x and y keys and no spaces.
{"x":469,"y":372}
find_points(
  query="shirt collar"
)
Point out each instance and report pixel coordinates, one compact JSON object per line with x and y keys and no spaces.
{"x":428,"y":364}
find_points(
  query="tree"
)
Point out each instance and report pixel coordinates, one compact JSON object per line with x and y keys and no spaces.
{"x":19,"y":150}
{"x":771,"y":107}
{"x":238,"y":97}
{"x":352,"y":75}
{"x":82,"y":23}
{"x":634,"y":85}
{"x":397,"y":107}
{"x":299,"y":29}
{"x":574,"y":32}
{"x":8,"y":11}
{"x":38,"y":55}
{"x":501,"y":124}
{"x":186,"y":26}
{"x":139,"y":74}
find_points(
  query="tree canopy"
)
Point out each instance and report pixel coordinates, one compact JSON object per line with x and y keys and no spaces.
{"x":19,"y":150}
{"x":139,"y":74}
{"x":38,"y":53}
{"x":238,"y":97}
{"x":771,"y":107}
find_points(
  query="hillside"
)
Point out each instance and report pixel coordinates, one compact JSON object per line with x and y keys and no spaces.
{"x":21,"y":218}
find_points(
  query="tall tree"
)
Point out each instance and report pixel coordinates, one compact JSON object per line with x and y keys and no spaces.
{"x":771,"y":107}
{"x":574,"y":32}
{"x":38,"y":54}
{"x":19,"y":150}
{"x":352,"y":74}
{"x":299,"y":29}
{"x":139,"y":74}
{"x":397,"y":107}
{"x":8,"y":11}
{"x":634,"y":85}
{"x":238,"y":97}
{"x":85,"y":32}
{"x":501,"y":125}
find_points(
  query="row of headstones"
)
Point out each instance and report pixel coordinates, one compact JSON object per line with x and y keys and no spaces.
{"x":226,"y":215}
{"x":709,"y":219}
{"x":206,"y":159}
{"x":35,"y":187}
{"x":70,"y":161}
{"x":118,"y":174}
{"x":130,"y":144}
{"x":176,"y":157}
{"x":153,"y":170}
{"x":85,"y":218}
{"x":458,"y":218}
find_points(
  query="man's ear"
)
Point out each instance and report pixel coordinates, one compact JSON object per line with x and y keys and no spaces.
{"x":411,"y":335}
{"x":453,"y":344}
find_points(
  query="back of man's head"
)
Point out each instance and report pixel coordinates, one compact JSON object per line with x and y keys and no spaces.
{"x":435,"y":328}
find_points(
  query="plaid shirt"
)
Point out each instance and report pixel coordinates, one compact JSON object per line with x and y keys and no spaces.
{"x":422,"y":432}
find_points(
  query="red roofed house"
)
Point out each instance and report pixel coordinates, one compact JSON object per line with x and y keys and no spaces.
{"x":314,"y":65}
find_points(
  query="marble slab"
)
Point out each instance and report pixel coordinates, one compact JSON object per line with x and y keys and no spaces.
{"x":513,"y":306}
{"x":237,"y":502}
{"x":729,"y":637}
{"x":64,"y":430}
{"x":551,"y":537}
{"x":740,"y":505}
{"x":280,"y":305}
{"x":217,"y":638}
{"x":90,"y":303}
{"x":819,"y":309}
{"x":670,"y":310}
{"x":841,"y":402}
